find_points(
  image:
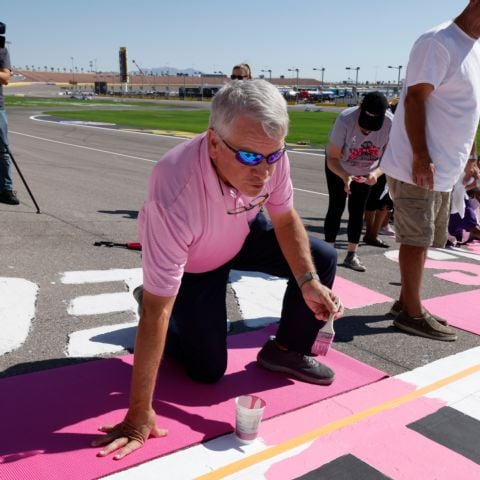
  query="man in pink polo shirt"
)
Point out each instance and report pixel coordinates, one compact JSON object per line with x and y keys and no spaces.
{"x":202,"y":218}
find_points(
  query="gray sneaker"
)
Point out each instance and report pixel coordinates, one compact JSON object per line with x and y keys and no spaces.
{"x":397,"y":307}
{"x":303,"y":367}
{"x":138,"y":296}
{"x":425,"y":326}
{"x":352,"y":261}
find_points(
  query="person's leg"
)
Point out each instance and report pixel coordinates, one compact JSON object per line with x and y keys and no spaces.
{"x":374,"y":214}
{"x":198,"y":326}
{"x":261,"y":252}
{"x":336,"y":205}
{"x":421,"y":218}
{"x":411,"y":260}
{"x":5,"y":161}
{"x":356,"y":209}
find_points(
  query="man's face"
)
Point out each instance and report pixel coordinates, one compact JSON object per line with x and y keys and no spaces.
{"x":248,"y":135}
{"x":240,"y":74}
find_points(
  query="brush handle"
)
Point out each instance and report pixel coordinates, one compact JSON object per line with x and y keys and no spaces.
{"x":328,"y":327}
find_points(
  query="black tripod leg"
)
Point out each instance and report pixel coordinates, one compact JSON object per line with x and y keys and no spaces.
{"x":22,"y":177}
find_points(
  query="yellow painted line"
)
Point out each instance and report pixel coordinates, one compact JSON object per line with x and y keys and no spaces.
{"x":307,"y":437}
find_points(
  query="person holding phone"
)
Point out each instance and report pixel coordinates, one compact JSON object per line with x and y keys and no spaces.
{"x":357,"y":141}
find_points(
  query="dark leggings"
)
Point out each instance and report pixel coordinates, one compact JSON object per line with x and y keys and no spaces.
{"x":198,"y":328}
{"x":336,"y":205}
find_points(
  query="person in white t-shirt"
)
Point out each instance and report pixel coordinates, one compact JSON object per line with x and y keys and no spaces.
{"x":430,"y":144}
{"x":202,"y":217}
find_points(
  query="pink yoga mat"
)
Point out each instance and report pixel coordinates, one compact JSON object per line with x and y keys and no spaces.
{"x":49,"y":418}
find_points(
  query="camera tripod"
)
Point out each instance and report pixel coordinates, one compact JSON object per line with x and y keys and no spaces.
{"x":5,"y":149}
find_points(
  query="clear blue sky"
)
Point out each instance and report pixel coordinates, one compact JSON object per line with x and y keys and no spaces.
{"x":212,"y":35}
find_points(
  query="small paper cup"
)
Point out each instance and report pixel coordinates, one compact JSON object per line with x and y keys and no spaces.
{"x":248,"y":415}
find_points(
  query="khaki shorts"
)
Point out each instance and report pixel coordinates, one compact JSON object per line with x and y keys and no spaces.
{"x":421,"y":216}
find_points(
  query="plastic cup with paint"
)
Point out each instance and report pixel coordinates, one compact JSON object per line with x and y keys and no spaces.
{"x":248,"y":415}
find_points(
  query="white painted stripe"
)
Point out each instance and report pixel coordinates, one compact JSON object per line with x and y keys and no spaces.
{"x":102,"y":303}
{"x":202,"y":459}
{"x":101,"y":340}
{"x":458,"y":252}
{"x":310,"y":191}
{"x":464,"y":394}
{"x":99,"y":276}
{"x":108,"y":152}
{"x":17,"y":309}
{"x":259,"y":296}
{"x":438,"y":254}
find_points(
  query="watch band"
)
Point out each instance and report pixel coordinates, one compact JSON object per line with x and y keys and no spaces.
{"x":307,"y":277}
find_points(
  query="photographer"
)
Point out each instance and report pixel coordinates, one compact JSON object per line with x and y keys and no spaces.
{"x":7,"y":195}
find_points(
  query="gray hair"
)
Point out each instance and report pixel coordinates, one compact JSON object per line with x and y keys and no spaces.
{"x":257,"y":99}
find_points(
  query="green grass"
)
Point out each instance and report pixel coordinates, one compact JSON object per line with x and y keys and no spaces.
{"x":310,"y":128}
{"x":305,"y":127}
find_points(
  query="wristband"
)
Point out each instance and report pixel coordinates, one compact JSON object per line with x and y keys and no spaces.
{"x":308,"y":277}
{"x":473,"y":158}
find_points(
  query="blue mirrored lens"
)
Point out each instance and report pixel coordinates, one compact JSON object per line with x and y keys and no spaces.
{"x":249,"y":158}
{"x":275,"y":156}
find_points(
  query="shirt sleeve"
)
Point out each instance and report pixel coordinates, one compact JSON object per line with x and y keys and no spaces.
{"x":165,"y":240}
{"x":338,"y":133}
{"x":429,"y":61}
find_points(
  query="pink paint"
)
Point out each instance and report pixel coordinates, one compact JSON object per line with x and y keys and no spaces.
{"x":460,"y":272}
{"x":381,"y":441}
{"x":62,"y":408}
{"x":461,"y":310}
{"x":356,"y":296}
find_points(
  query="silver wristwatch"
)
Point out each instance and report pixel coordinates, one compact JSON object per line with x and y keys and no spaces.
{"x":308,"y":277}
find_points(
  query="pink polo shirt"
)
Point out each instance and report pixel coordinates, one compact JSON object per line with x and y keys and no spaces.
{"x":184,"y":226}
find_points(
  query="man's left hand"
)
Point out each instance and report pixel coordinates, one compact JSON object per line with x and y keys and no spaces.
{"x":321,"y":300}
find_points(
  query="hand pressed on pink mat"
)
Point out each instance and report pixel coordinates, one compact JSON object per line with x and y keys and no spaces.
{"x":129,"y":435}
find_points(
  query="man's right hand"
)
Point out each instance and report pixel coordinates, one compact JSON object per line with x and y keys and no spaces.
{"x":423,"y":171}
{"x":129,"y":435}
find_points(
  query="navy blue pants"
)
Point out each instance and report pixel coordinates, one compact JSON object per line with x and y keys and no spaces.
{"x":198,"y":328}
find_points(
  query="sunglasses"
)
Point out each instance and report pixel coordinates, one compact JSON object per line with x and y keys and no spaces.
{"x":238,"y":77}
{"x":251,"y":158}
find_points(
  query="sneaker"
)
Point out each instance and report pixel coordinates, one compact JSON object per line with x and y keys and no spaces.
{"x":300,"y":366}
{"x":425,"y":326}
{"x":138,"y":296}
{"x":397,"y":307}
{"x":375,"y":242}
{"x":352,"y":261}
{"x":387,"y":230}
{"x":9,"y":197}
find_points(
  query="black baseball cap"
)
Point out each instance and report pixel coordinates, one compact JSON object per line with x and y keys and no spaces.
{"x":372,"y":111}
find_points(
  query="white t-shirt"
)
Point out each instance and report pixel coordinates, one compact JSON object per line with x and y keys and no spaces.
{"x":447,"y":58}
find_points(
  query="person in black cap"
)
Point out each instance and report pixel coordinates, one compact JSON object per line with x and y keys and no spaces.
{"x":357,"y":142}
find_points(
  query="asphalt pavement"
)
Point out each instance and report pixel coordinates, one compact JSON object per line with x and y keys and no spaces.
{"x":90,"y":183}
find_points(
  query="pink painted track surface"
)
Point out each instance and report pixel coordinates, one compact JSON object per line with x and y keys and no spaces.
{"x":49,"y":418}
{"x":383,"y":440}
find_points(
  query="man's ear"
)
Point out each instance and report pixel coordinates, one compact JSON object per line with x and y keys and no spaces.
{"x":213,"y":143}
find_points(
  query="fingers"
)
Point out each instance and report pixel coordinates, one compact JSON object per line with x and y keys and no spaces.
{"x":159,"y":432}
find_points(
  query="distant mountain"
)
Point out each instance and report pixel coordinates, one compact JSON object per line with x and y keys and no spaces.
{"x":165,"y":70}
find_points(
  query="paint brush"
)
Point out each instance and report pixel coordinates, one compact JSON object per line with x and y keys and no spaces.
{"x":325,"y":334}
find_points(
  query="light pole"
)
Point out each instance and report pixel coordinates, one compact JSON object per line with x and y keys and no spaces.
{"x":321,"y":69}
{"x":295,"y":70}
{"x":73,"y":72}
{"x":201,"y":84}
{"x":269,"y":74}
{"x":399,"y":68}
{"x":356,"y":82}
